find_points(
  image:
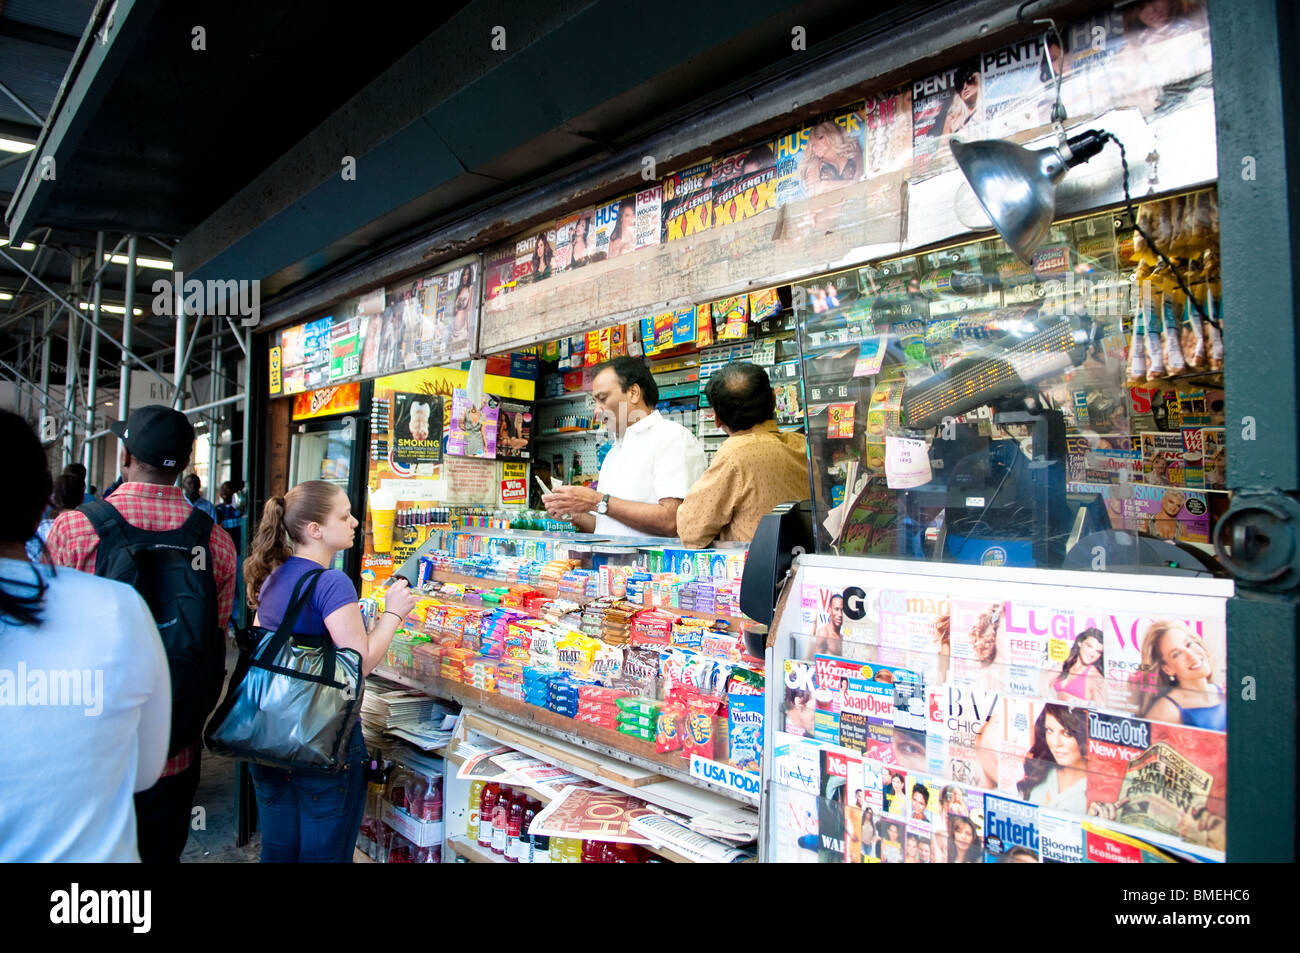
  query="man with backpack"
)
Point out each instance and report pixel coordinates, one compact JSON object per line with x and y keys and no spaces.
{"x":150,"y":537}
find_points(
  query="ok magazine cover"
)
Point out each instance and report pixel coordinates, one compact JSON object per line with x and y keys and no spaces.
{"x":415,"y":428}
{"x":688,"y":202}
{"x":1010,"y":831}
{"x":1162,"y":778}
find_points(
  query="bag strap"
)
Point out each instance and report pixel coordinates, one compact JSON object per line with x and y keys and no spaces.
{"x":110,"y":525}
{"x":298,"y":601}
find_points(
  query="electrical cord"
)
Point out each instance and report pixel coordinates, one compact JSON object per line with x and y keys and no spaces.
{"x":1132,"y":211}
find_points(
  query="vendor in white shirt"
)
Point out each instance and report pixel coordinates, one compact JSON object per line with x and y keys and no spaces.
{"x":647,"y":472}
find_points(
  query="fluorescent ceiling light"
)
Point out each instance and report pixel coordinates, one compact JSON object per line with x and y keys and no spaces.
{"x":108,"y":308}
{"x":141,"y":262}
{"x":6,"y":296}
{"x":15,"y":145}
{"x":25,"y":246}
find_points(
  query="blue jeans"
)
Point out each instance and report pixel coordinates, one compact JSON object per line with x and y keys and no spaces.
{"x":309,"y":817}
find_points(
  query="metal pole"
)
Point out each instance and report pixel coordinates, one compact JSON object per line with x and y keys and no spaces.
{"x":124,"y":383}
{"x":215,"y":392}
{"x":182,"y":355}
{"x":92,"y":377}
{"x":81,"y":317}
{"x":70,"y":368}
{"x":45,"y":373}
{"x":216,"y":403}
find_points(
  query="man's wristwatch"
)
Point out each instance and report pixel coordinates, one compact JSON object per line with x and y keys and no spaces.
{"x":603,"y":505}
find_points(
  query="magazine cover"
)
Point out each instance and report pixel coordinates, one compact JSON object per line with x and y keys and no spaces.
{"x":1010,"y":831}
{"x":744,"y":185}
{"x":688,"y":202}
{"x":1019,"y":88}
{"x":821,"y":156}
{"x":316,"y":352}
{"x":460,"y":289}
{"x":945,"y":104}
{"x":831,"y":801}
{"x":581,"y":231}
{"x":1104,"y":846}
{"x":799,"y":705}
{"x":514,"y":428}
{"x":958,"y":825}
{"x":1170,"y":670}
{"x":1072,"y":669}
{"x":1162,"y":459}
{"x":796,"y":777}
{"x":649,"y":215}
{"x":978,"y":635}
{"x":888,"y":119}
{"x":833,"y":675}
{"x":1108,"y":460}
{"x":1163,"y":778}
{"x":472,"y":430}
{"x":1091,"y":84}
{"x":1029,"y":633}
{"x":415,"y":428}
{"x":1168,"y":513}
{"x":894,"y":791}
{"x":565,"y":230}
{"x":959,"y":743}
{"x":1215,"y":457}
{"x":1060,"y":838}
{"x":499,"y":271}
{"x":615,"y":227}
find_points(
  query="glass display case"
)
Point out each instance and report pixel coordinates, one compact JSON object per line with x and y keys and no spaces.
{"x":965,"y":406}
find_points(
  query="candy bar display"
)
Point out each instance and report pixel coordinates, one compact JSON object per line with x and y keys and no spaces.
{"x":646,"y":656}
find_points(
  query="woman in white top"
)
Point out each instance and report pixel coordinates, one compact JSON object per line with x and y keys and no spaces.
{"x":85,"y":695}
{"x":1056,"y":768}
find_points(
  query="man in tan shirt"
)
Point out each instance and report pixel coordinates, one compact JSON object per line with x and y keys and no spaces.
{"x":756,"y":469}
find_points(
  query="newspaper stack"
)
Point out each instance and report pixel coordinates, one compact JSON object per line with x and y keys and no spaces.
{"x":406,"y":714}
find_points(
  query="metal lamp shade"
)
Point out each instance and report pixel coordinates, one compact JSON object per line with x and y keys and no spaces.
{"x":1016,"y":186}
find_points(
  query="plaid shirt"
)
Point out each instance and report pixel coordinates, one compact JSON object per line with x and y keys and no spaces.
{"x":73,"y":542}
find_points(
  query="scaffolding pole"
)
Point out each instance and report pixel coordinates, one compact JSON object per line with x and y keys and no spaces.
{"x":124,"y":384}
{"x":92,"y":376}
{"x":70,"y":369}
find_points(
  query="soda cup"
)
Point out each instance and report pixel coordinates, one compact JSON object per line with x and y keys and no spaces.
{"x":383,"y":514}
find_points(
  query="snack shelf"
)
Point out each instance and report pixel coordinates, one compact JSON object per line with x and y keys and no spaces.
{"x":541,"y":748}
{"x":587,"y":738}
{"x":563,"y":398}
{"x":734,"y":623}
{"x":473,"y":852}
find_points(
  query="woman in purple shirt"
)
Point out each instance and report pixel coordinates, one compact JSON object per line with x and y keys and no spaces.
{"x":308,"y":816}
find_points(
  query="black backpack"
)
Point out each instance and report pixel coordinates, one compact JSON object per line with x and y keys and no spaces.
{"x":183,"y":600}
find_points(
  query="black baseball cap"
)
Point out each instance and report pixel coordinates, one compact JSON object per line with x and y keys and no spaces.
{"x":157,"y":435}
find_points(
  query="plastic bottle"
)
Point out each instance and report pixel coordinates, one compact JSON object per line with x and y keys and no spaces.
{"x":475,"y":807}
{"x":622,"y":854}
{"x":501,"y":821}
{"x":487,"y":809}
{"x":514,"y":826}
{"x":592,"y":852}
{"x":540,"y":849}
{"x":525,"y":847}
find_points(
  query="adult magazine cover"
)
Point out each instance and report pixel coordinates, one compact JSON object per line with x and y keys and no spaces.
{"x":1010,"y":831}
{"x":945,"y":104}
{"x":888,"y":118}
{"x":649,"y":215}
{"x":688,"y":202}
{"x":744,"y":185}
{"x":514,"y":428}
{"x":820,"y":156}
{"x":1019,"y":88}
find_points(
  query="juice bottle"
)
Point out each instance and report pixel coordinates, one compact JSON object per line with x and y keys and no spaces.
{"x":623,"y":854}
{"x":539,"y":851}
{"x":501,"y":821}
{"x":526,"y":851}
{"x":487,"y":807}
{"x":592,"y":852}
{"x":515,"y":824}
{"x":475,"y":806}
